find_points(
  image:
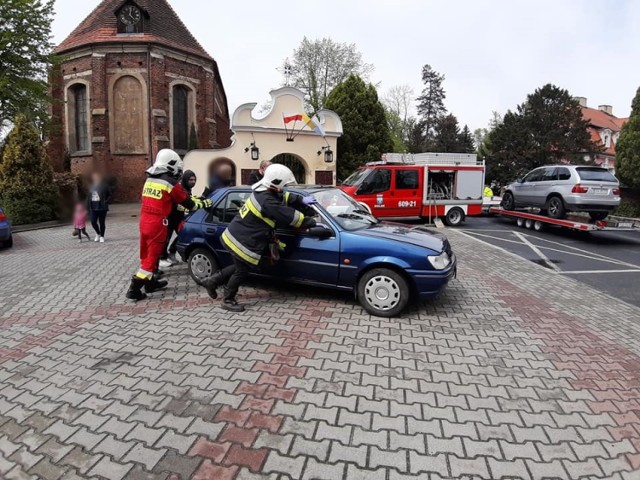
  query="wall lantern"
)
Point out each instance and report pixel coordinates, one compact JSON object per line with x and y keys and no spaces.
{"x":328,"y":154}
{"x":255,"y":151}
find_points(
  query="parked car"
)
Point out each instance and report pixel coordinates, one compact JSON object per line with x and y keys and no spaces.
{"x":6,"y":239}
{"x":558,"y":189}
{"x":384,"y":264}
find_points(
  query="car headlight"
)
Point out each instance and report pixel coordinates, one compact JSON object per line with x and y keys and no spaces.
{"x":440,"y":262}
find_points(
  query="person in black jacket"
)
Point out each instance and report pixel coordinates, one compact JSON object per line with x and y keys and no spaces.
{"x":258,"y":175}
{"x":175,"y":218}
{"x":98,"y":199}
{"x":252,"y":231}
{"x":220,"y":179}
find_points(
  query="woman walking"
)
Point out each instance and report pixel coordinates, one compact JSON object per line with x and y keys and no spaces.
{"x":98,"y":200}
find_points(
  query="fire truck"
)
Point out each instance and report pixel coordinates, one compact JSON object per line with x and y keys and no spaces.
{"x":425,"y":185}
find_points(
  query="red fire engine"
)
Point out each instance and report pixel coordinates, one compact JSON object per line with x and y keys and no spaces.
{"x":426,"y":185}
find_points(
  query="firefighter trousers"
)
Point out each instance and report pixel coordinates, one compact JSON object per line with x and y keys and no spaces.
{"x":153,"y":235}
{"x":233,"y":276}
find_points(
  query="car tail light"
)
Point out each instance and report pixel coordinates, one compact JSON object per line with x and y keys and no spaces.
{"x":3,"y":217}
{"x":579,"y":189}
{"x":616,"y":191}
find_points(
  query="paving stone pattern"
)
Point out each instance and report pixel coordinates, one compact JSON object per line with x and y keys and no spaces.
{"x":514,"y":372}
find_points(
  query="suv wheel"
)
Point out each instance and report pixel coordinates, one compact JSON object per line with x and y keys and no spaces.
{"x":202,"y":265}
{"x":508,"y":202}
{"x":555,"y":208}
{"x":597,"y":216}
{"x":383,"y":292}
{"x":454,"y":217}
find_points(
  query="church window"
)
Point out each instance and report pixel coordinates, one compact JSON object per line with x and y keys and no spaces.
{"x":182,"y":116}
{"x":77,"y":118}
{"x":128,"y":117}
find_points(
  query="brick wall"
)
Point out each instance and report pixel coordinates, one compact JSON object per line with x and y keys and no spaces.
{"x":158,"y":72}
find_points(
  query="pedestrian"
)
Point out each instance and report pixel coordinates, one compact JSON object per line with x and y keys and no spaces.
{"x":80,"y":221}
{"x":252,"y":231}
{"x":257,"y":175}
{"x":221,"y":178}
{"x":176,"y":218}
{"x":98,"y":199}
{"x":160,"y":192}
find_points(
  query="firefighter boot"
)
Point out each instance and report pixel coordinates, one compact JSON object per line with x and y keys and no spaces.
{"x":212,"y":283}
{"x":155,"y":284}
{"x":229,"y":302}
{"x":135,"y":289}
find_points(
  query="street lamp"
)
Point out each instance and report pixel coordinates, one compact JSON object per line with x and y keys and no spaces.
{"x":255,"y":151}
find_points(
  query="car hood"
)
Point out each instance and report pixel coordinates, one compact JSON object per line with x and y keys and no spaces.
{"x":417,"y":235}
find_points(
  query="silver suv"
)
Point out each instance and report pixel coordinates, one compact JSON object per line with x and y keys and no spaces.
{"x":557,"y":189}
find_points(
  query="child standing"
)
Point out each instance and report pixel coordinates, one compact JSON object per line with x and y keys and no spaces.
{"x":80,"y":221}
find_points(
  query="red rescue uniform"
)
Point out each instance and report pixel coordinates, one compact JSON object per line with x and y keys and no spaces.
{"x":159,"y":194}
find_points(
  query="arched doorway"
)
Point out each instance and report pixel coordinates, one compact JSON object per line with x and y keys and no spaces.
{"x":295,"y":164}
{"x":215,"y":164}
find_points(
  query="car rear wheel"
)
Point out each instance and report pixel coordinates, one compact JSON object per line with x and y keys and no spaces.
{"x":555,"y":208}
{"x":508,"y":202}
{"x":454,"y":217}
{"x":202,"y":265}
{"x":383,"y":292}
{"x":597,"y":216}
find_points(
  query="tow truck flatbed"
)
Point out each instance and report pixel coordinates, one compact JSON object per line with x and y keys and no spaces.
{"x":538,"y":222}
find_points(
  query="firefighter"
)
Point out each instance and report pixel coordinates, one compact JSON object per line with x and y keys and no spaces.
{"x":160,"y":192}
{"x":252,"y":231}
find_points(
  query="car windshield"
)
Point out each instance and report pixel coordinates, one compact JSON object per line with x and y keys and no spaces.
{"x":348,"y":213}
{"x":596,"y":174}
{"x":356,"y":178}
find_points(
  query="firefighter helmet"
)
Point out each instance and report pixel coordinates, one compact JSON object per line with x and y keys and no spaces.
{"x":276,"y":177}
{"x":167,"y":161}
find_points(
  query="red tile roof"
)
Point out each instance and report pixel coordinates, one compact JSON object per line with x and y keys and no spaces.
{"x":163,"y":27}
{"x":600,"y":119}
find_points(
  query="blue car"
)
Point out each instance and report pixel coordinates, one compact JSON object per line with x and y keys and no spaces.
{"x":384,"y":264}
{"x":6,"y":239}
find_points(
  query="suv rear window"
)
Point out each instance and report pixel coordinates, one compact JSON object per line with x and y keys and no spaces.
{"x":596,"y":174}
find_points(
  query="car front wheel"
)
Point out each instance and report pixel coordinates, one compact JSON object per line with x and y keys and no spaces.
{"x":202,"y":265}
{"x":383,"y":292}
{"x":508,"y":202}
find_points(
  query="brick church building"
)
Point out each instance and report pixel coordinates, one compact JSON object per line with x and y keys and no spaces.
{"x":134,"y":80}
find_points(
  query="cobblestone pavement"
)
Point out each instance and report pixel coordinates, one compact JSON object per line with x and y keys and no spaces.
{"x":513,"y":373}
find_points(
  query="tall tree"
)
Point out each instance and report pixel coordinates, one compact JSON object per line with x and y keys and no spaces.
{"x":431,"y":101}
{"x":447,"y":134}
{"x":27,"y":190}
{"x":628,"y":147}
{"x":317,"y":66}
{"x":366,"y":131}
{"x":415,"y":136}
{"x":548,"y":127}
{"x":465,"y":141}
{"x":25,"y":58}
{"x":398,"y":101}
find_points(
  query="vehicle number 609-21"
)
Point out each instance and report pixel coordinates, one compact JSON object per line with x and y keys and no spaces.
{"x":407,"y":203}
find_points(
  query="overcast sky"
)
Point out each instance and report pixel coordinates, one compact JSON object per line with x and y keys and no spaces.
{"x":492,"y":52}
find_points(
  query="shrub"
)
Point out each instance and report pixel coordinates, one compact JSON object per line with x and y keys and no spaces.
{"x":27,"y":190}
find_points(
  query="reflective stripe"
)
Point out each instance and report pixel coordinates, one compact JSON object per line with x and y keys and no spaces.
{"x":153,"y":188}
{"x":239,"y":249}
{"x":144,"y":275}
{"x":255,"y":209}
{"x":286,"y":197}
{"x":298,"y":218}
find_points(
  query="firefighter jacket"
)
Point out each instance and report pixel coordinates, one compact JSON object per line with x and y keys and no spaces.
{"x":250,"y":232}
{"x":159,"y":194}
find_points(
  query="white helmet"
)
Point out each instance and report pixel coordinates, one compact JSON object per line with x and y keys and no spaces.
{"x":167,"y":161}
{"x":277,"y":177}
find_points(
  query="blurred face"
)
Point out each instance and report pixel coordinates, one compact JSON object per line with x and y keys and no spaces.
{"x":263,"y":167}
{"x":224,"y":172}
{"x":96,"y":178}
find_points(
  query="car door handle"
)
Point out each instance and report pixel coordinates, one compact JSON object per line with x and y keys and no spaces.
{"x":211,"y":230}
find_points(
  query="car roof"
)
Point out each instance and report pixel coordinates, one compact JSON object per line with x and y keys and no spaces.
{"x":571,"y":166}
{"x":295,"y":188}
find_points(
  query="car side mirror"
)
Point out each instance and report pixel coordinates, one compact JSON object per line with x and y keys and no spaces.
{"x":520,"y":180}
{"x":320,"y":231}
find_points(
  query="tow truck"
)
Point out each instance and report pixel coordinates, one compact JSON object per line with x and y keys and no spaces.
{"x":533,"y":220}
{"x":425,"y":185}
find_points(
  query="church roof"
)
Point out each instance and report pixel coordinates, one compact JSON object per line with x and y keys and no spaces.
{"x":162,"y":26}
